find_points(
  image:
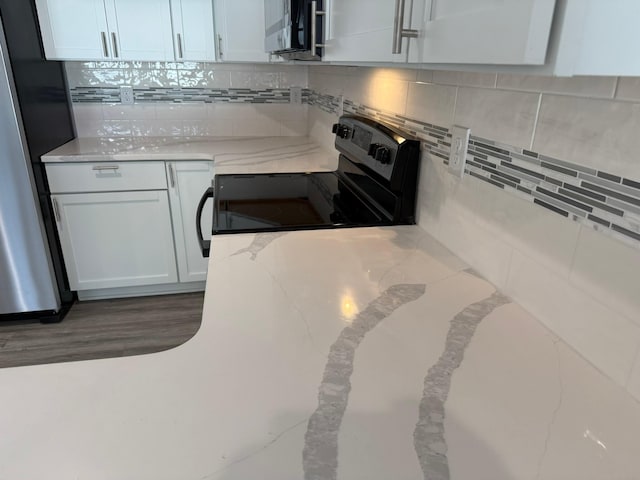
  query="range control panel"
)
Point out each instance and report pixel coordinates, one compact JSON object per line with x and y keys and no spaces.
{"x":372,"y":144}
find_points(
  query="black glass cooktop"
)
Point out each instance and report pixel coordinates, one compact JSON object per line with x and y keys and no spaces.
{"x":290,"y":201}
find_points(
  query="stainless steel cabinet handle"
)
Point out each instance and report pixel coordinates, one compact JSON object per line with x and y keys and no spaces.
{"x":172,"y":177}
{"x":106,"y":167}
{"x":180,"y":55}
{"x":56,"y":211}
{"x":220,"y":54}
{"x":314,"y":28}
{"x":399,"y":32}
{"x":105,"y":48}
{"x":115,"y":45}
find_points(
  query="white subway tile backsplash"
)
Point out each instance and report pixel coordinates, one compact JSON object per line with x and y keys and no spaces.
{"x":204,"y":79}
{"x":154,"y":78}
{"x":628,"y":88}
{"x":501,"y":115}
{"x":603,"y":87}
{"x":255,"y":80}
{"x":465,"y":79}
{"x":608,"y":270}
{"x":431,"y":103}
{"x":181,"y":111}
{"x":117,"y":111}
{"x":607,"y":339}
{"x":602,"y":134}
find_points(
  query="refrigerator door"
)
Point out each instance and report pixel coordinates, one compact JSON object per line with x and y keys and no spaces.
{"x":27,"y":282}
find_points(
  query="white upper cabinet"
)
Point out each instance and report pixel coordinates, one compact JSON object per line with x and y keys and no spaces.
{"x":514,"y":32}
{"x":193,"y":30}
{"x":144,"y":30}
{"x":240,"y":28}
{"x":359,"y":31}
{"x":74,"y":29}
{"x":140,"y":30}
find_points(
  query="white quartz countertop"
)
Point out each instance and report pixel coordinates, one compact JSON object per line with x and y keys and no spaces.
{"x":369,"y":353}
{"x":239,"y":154}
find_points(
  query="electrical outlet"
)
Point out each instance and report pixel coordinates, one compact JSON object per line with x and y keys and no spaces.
{"x":295,"y":95}
{"x":126,"y":95}
{"x":459,"y":147}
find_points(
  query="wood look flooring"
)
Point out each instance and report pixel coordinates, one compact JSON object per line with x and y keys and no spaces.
{"x":104,"y":329}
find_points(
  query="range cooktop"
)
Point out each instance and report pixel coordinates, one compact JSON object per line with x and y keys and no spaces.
{"x":375,"y":185}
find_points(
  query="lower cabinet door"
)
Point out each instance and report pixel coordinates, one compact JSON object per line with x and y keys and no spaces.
{"x":117,"y":239}
{"x":187,"y":182}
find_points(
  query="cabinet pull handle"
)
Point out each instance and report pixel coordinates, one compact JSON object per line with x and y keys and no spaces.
{"x":314,"y":27}
{"x":220,"y":54}
{"x":56,"y":212}
{"x":180,"y":55}
{"x":105,"y":48}
{"x":115,"y":45}
{"x":399,"y":32}
{"x":106,"y":167}
{"x":172,"y":177}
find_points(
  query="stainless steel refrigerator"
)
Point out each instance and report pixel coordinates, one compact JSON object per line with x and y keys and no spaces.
{"x":35,"y":117}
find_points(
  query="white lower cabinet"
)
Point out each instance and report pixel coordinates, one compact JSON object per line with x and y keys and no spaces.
{"x":116,"y":239}
{"x":187,"y":183}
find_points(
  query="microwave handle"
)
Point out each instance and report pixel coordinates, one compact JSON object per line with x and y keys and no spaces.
{"x":205,"y":245}
{"x":314,"y":27}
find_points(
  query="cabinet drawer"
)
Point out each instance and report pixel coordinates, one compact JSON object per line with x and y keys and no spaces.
{"x":106,"y":176}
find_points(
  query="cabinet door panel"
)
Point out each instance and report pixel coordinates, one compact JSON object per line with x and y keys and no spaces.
{"x":188,"y":181}
{"x":119,"y":239}
{"x":140,"y":29}
{"x":74,"y":29}
{"x":240,"y":27}
{"x":193,"y":30}
{"x":358,"y":31}
{"x":482,"y":31}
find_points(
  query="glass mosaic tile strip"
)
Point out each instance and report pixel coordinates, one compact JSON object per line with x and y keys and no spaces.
{"x":601,"y":200}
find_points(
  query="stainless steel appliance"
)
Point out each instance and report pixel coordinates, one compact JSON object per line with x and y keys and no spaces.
{"x":294,"y":28}
{"x":34,"y":118}
{"x":375,"y":185}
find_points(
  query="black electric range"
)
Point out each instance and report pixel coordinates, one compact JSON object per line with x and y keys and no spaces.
{"x":375,"y":185}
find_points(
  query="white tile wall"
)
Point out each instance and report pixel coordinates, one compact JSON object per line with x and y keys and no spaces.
{"x":594,"y":132}
{"x":187,"y":119}
{"x":580,"y":283}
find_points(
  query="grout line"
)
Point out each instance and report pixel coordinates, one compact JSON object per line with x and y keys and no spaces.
{"x":535,"y":123}
{"x":455,"y":105}
{"x":615,"y":89}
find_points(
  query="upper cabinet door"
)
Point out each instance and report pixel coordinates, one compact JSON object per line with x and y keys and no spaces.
{"x":514,"y":32}
{"x":74,"y":29}
{"x":140,"y":29}
{"x":240,"y":28}
{"x":193,"y":33}
{"x":359,"y":31}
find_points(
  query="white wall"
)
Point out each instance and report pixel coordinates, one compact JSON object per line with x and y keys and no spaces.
{"x":583,"y":285}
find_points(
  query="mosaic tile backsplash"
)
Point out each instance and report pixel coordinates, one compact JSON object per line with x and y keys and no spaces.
{"x":604,"y":201}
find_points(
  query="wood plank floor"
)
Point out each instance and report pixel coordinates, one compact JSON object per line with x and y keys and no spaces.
{"x":104,"y":329}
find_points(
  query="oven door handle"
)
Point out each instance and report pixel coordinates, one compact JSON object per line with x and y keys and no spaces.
{"x":205,"y":245}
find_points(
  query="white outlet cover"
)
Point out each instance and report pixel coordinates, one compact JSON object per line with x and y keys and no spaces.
{"x":459,"y":146}
{"x":126,"y":95}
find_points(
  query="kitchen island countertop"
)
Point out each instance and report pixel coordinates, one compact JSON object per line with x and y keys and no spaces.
{"x":368,"y":353}
{"x":230,"y":154}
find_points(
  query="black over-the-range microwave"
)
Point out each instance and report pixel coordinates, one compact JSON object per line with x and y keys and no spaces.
{"x":294,"y":28}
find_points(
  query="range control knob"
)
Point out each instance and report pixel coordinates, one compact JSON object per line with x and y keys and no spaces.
{"x":383,"y":155}
{"x":341,"y":130}
{"x":373,"y":148}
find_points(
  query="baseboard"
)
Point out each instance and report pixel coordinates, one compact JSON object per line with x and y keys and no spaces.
{"x":143,"y":291}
